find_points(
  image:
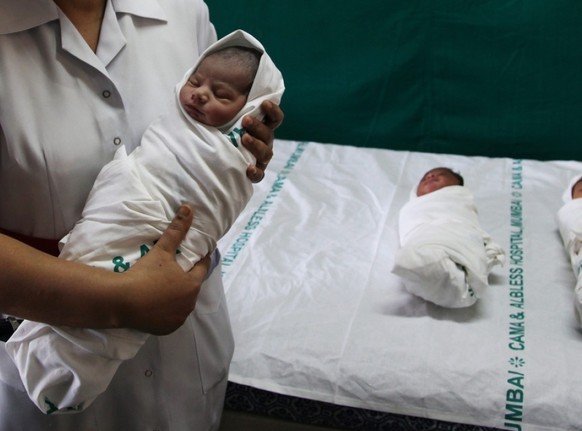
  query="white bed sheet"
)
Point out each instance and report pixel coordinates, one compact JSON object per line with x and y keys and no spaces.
{"x":317,"y":313}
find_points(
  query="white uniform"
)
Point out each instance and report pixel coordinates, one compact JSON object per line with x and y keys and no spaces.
{"x":64,"y":111}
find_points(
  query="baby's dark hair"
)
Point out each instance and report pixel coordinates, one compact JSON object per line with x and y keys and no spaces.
{"x":458,"y":176}
{"x":241,"y":56}
{"x":574,"y":186}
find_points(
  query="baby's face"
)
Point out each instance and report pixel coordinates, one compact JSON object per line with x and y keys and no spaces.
{"x":577,"y":190}
{"x":215,"y":93}
{"x":436,"y":179}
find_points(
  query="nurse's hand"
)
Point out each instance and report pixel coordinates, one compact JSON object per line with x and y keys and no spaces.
{"x":259,"y":138}
{"x":162,"y":295}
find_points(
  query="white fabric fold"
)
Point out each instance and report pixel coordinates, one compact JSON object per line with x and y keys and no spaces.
{"x":133,"y":200}
{"x":444,"y":256}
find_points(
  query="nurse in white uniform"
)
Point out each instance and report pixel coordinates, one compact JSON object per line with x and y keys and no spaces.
{"x":69,"y":96}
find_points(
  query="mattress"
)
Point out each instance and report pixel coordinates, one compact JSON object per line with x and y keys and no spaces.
{"x":317,"y":313}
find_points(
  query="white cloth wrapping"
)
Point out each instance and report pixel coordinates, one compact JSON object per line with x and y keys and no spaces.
{"x":570,"y":227}
{"x":444,"y":256}
{"x":133,"y":200}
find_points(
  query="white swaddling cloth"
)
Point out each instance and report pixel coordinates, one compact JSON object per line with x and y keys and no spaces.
{"x":570,"y":227}
{"x":444,"y":256}
{"x":132,"y":202}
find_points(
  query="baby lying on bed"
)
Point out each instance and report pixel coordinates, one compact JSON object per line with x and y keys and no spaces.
{"x":570,"y":226}
{"x":193,"y":155}
{"x":444,"y":256}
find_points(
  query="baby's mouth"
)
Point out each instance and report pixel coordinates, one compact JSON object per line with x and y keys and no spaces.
{"x":193,"y":111}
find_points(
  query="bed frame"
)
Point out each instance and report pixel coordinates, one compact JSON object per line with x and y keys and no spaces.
{"x":251,"y":409}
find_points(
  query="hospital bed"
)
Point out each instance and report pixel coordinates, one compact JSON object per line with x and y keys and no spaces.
{"x":377,"y":93}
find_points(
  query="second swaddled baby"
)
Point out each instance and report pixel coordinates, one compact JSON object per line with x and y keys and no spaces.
{"x":570,"y":227}
{"x":445,"y":256}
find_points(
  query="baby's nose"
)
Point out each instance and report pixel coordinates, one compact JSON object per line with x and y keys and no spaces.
{"x":199,"y":96}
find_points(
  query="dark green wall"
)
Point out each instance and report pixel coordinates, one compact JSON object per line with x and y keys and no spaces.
{"x":497,"y":78}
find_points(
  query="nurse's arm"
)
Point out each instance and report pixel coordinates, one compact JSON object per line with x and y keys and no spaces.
{"x":155,"y":295}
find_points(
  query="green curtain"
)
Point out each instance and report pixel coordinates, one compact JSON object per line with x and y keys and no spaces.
{"x":497,"y":78}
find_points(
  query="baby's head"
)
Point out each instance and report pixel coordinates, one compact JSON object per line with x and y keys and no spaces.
{"x":218,"y":88}
{"x":577,"y":189}
{"x":438,"y":178}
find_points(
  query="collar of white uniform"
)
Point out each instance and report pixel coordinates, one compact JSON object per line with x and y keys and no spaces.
{"x":22,"y":15}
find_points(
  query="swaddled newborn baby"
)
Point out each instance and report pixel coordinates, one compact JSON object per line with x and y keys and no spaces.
{"x":444,"y":256}
{"x":570,"y":226}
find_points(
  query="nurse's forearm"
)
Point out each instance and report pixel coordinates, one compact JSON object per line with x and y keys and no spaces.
{"x":155,"y":295}
{"x":40,"y":287}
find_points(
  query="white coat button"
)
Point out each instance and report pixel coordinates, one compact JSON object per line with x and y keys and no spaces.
{"x":106,"y":94}
{"x":117,"y":141}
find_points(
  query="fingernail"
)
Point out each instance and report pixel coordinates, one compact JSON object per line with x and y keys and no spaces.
{"x":184,"y":211}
